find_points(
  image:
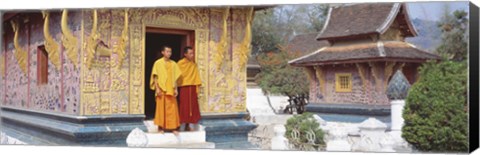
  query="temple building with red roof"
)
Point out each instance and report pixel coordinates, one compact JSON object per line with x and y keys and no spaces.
{"x":359,"y":49}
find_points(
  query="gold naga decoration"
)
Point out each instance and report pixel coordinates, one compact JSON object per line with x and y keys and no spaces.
{"x":222,"y":45}
{"x":91,"y":42}
{"x":20,"y":55}
{"x":69,"y":40}
{"x":362,"y":71}
{"x":375,"y":73}
{"x":122,"y":44}
{"x":2,"y":65}
{"x":50,"y":45}
{"x":93,"y":45}
{"x":245,"y":50}
{"x":319,"y":72}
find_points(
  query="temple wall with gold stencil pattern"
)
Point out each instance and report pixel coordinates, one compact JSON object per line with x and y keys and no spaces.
{"x":23,"y":35}
{"x":223,"y":88}
{"x":97,"y":58}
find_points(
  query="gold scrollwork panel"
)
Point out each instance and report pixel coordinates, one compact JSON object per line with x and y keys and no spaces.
{"x":201,"y":58}
{"x":19,"y":54}
{"x":69,"y":40}
{"x":51,"y":46}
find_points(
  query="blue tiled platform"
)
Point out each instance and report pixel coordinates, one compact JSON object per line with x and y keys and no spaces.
{"x":228,"y":131}
{"x":41,"y":128}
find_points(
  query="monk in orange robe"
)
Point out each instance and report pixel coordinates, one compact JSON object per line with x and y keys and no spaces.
{"x":163,"y":80}
{"x":189,"y":84}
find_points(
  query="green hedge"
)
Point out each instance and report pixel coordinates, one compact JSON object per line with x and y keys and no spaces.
{"x":436,"y":110}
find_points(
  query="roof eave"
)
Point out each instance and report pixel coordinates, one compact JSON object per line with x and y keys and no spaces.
{"x":394,"y":13}
{"x":412,"y":28}
{"x":363,"y":60}
{"x":326,"y":23}
{"x":263,"y":7}
{"x":346,"y":36}
{"x":390,"y":18}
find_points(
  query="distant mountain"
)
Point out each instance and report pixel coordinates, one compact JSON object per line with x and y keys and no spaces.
{"x":429,"y":35}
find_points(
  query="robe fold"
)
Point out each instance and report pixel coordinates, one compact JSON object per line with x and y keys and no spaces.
{"x":189,"y":83}
{"x":166,"y":112}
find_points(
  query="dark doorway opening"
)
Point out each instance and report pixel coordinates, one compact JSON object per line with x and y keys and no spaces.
{"x":155,"y":39}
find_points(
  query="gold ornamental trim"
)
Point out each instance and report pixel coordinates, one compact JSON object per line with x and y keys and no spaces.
{"x":319,"y":72}
{"x":245,"y":47}
{"x":122,"y":44}
{"x":223,"y":44}
{"x":50,"y":45}
{"x":91,"y":42}
{"x":19,"y":54}
{"x":69,"y":40}
{"x":2,"y":65}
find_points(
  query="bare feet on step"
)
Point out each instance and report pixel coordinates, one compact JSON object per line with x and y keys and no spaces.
{"x":175,"y":132}
{"x":160,"y":130}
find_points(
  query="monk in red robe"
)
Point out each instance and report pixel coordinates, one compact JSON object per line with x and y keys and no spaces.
{"x":189,"y":84}
{"x":163,"y":80}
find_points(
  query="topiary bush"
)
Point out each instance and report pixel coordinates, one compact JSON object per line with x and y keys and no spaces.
{"x":436,"y":110}
{"x":304,"y":123}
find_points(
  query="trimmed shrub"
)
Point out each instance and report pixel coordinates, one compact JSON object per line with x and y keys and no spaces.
{"x":436,"y":110}
{"x":304,"y":123}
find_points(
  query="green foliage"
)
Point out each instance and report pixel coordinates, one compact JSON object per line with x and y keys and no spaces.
{"x":271,"y":30}
{"x":304,"y":123}
{"x":318,"y":16}
{"x":436,"y":110}
{"x":454,"y":38}
{"x":264,"y":32}
{"x":275,"y":26}
{"x":278,"y":77}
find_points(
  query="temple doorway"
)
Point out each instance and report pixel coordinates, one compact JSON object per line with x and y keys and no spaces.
{"x":155,"y":39}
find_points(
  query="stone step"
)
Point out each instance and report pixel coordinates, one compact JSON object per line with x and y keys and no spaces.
{"x":237,"y":146}
{"x":271,"y":119}
{"x":205,"y":145}
{"x":152,"y":128}
{"x":185,"y":139}
{"x":166,"y":139}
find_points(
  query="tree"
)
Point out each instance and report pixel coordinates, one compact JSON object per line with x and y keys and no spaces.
{"x":455,"y":35}
{"x":272,"y":30}
{"x":278,"y":77}
{"x":274,"y":27}
{"x":436,"y":110}
{"x":265,"y":37}
{"x":318,"y":16}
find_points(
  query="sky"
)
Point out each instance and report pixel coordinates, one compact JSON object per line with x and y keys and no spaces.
{"x":433,"y":10}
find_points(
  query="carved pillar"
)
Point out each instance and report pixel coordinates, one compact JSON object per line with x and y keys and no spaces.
{"x":389,"y":66}
{"x":375,"y":70}
{"x":2,"y":63}
{"x":319,"y":72}
{"x":201,"y":58}
{"x":137,"y":55}
{"x":362,"y":71}
{"x":313,"y":86}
